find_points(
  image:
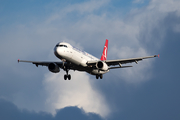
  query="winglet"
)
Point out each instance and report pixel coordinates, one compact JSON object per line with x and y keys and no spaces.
{"x":157,"y":56}
{"x":104,"y":54}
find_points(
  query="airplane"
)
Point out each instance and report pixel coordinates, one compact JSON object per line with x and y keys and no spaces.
{"x":75,"y":59}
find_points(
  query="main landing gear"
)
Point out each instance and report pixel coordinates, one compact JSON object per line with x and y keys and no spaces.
{"x":97,"y":76}
{"x":67,"y":76}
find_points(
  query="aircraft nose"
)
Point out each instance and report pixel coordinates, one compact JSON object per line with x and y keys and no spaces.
{"x":58,"y":51}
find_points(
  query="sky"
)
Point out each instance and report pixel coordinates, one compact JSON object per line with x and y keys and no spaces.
{"x":29,"y":30}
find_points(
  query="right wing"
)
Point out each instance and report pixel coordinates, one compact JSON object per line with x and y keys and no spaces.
{"x":43,"y":63}
{"x":62,"y":65}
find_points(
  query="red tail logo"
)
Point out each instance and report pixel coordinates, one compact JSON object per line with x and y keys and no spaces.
{"x":104,"y":54}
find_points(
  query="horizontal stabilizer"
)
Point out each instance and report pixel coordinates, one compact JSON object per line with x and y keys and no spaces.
{"x":119,"y":67}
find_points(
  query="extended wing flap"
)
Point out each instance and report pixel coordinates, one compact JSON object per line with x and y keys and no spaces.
{"x":119,"y":67}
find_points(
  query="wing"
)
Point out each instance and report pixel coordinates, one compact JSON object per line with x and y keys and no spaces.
{"x":43,"y":63}
{"x":121,"y":61}
{"x":62,"y":65}
{"x":125,"y":61}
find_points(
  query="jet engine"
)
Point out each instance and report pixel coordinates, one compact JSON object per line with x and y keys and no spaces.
{"x":102,"y":65}
{"x":53,"y":67}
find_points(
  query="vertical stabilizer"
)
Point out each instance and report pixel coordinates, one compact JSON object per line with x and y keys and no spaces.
{"x":104,"y":54}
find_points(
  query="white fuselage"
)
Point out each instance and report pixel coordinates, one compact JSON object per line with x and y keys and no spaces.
{"x":77,"y":57}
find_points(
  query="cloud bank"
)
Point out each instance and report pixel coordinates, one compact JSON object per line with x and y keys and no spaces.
{"x":9,"y":111}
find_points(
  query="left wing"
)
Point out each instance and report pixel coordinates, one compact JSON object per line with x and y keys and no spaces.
{"x":121,"y":61}
{"x":124,"y":61}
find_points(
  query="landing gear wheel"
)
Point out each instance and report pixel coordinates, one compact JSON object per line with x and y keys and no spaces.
{"x":97,"y":76}
{"x":65,"y":77}
{"x":101,"y":76}
{"x":69,"y":77}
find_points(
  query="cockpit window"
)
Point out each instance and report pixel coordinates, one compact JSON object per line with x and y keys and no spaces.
{"x":61,"y":45}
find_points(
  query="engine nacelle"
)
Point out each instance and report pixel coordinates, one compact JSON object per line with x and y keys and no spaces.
{"x":102,"y":65}
{"x":53,"y":67}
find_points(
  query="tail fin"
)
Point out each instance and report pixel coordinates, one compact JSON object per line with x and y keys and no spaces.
{"x":104,"y":54}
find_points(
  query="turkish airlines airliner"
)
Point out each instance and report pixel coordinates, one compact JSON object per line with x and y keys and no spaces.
{"x":75,"y":59}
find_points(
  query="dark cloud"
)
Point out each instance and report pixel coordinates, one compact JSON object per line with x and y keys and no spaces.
{"x":159,"y":97}
{"x":9,"y":111}
{"x":70,"y":113}
{"x":157,"y":34}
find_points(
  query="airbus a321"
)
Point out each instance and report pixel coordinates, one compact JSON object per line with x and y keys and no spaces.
{"x":75,"y":59}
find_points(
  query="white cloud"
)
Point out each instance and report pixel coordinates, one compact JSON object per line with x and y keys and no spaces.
{"x":83,"y":8}
{"x":138,"y":1}
{"x":165,"y":6}
{"x":76,"y":92}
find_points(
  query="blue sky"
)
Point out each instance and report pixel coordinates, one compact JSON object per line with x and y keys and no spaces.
{"x":30,"y":29}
